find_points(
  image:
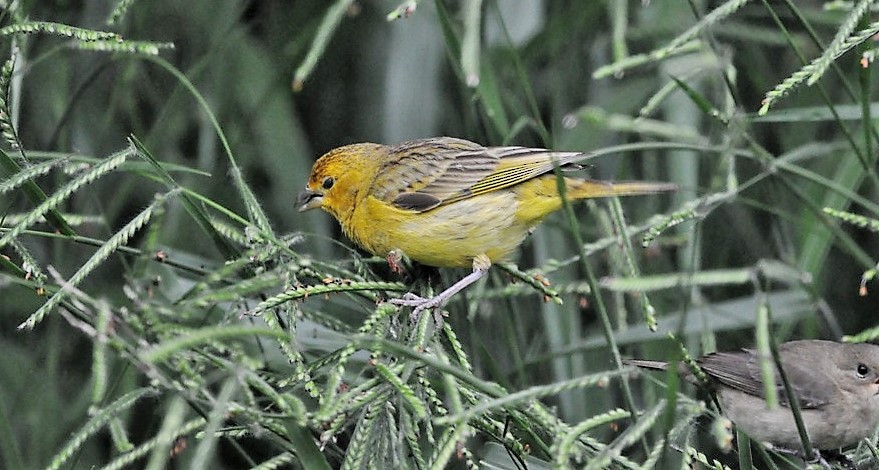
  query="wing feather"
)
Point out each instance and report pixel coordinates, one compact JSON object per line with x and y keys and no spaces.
{"x":519,"y":164}
{"x":741,"y":370}
{"x":436,"y":167}
{"x":734,"y":369}
{"x":423,"y":174}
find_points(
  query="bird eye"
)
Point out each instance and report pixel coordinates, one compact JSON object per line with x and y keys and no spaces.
{"x":862,"y":370}
{"x":328,"y":182}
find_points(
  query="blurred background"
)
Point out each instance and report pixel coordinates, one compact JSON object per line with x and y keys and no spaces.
{"x":234,"y":101}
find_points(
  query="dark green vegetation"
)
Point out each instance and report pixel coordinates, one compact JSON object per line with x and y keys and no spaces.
{"x":176,"y":311}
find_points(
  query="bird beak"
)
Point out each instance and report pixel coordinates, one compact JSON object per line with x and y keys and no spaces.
{"x":309,"y":200}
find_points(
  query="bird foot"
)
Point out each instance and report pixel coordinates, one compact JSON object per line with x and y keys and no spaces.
{"x":410,"y":300}
{"x":838,"y":457}
{"x":420,"y":303}
{"x":480,"y":266}
{"x":819,"y":459}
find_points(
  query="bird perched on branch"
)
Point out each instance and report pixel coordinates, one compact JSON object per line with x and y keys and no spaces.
{"x":447,"y":202}
{"x":836,"y":386}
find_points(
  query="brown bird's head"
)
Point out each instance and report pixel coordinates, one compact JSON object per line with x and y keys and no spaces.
{"x":858,"y":368}
{"x":339,"y":177}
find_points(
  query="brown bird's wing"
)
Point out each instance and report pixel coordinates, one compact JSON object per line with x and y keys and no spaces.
{"x":809,"y":380}
{"x":423,"y":174}
{"x":734,"y":369}
{"x":741,"y":370}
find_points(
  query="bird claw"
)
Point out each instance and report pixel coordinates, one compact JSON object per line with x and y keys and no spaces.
{"x":420,"y":303}
{"x":817,"y":458}
{"x":411,"y":300}
{"x":835,"y":456}
{"x":438,"y":314}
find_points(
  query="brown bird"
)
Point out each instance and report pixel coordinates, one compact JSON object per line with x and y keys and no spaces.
{"x":836,"y":386}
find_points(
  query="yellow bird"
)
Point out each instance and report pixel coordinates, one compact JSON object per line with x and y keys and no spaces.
{"x":447,"y":202}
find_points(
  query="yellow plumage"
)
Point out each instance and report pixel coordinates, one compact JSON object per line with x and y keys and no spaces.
{"x":447,"y":202}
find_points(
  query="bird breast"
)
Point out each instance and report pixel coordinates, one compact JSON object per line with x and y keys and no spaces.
{"x":448,"y":236}
{"x":835,"y":425}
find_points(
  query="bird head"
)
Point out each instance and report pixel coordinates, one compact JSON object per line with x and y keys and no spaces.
{"x":859,"y":369}
{"x":339,"y":178}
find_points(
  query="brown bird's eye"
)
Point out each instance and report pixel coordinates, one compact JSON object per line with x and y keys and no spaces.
{"x":328,"y":182}
{"x":863,"y":370}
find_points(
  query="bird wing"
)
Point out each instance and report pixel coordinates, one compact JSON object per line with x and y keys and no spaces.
{"x":419,"y":175}
{"x":423,"y":174}
{"x":516,"y":165}
{"x":734,"y":369}
{"x":741,"y":370}
{"x":810,"y":382}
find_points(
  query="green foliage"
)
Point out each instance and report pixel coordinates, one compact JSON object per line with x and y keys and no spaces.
{"x":163,"y":304}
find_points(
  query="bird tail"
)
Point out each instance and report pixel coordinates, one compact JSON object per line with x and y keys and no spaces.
{"x":645,"y":364}
{"x":584,"y":189}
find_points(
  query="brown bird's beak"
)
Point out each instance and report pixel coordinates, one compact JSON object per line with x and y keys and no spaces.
{"x":309,"y":200}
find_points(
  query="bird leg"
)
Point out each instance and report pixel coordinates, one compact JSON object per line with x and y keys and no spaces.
{"x":820,"y":460}
{"x":840,"y":458}
{"x":816,"y":459}
{"x":481,"y":264}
